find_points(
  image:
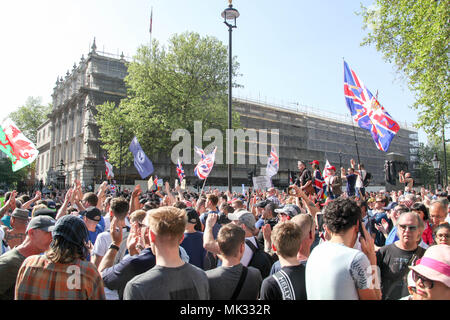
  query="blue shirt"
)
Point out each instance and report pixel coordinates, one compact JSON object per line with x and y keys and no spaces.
{"x":193,"y":244}
{"x":216,"y":227}
{"x":351,"y":182}
{"x":392,"y":236}
{"x":117,"y":276}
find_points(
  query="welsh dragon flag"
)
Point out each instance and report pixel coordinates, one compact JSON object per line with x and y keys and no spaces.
{"x":17,"y":147}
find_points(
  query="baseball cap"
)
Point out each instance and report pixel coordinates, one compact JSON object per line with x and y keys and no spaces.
{"x":314,"y":162}
{"x":45,"y":212}
{"x":192,"y":215}
{"x":93,"y":213}
{"x":296,"y":208}
{"x":43,"y":222}
{"x":390,"y":206}
{"x":261,"y":203}
{"x":332,"y":168}
{"x":72,"y":229}
{"x":244,"y":217}
{"x":287,"y":210}
{"x":20,"y":214}
{"x":51,"y":204}
{"x":435,"y":264}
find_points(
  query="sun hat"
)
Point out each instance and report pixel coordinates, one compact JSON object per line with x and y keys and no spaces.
{"x":435,"y":264}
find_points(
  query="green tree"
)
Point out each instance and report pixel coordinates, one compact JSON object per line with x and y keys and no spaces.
{"x":415,"y":35}
{"x":8,"y":178}
{"x":168,"y":89}
{"x":29,"y":117}
{"x":426,"y":173}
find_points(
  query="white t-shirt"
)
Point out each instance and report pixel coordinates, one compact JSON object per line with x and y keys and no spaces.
{"x":335,"y":272}
{"x":360,"y":179}
{"x":248,"y":253}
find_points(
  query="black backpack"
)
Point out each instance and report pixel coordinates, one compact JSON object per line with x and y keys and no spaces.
{"x":367,"y":179}
{"x":260,"y":260}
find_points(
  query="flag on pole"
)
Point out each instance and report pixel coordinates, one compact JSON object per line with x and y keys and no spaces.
{"x":151,"y":20}
{"x":180,"y":171}
{"x":205,"y":165}
{"x":326,"y":172}
{"x":19,"y":149}
{"x":109,"y":170}
{"x":273,"y":163}
{"x":367,"y":112}
{"x":150,"y":184}
{"x":143,"y":164}
{"x":319,"y":184}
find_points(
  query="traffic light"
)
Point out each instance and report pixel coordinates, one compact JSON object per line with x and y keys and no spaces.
{"x":250,"y":176}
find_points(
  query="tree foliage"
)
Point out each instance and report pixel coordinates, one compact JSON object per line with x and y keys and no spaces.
{"x":167,"y":89}
{"x":10,"y":179}
{"x":426,"y":173}
{"x":29,"y":117}
{"x":415,"y":35}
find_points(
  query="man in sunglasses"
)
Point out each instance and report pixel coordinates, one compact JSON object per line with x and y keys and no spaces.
{"x":394,"y":259}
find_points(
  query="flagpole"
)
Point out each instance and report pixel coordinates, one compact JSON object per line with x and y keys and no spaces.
{"x":353,"y":122}
{"x":204,"y":182}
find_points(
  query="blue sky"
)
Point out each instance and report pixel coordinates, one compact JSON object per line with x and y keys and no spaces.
{"x":289,"y":51}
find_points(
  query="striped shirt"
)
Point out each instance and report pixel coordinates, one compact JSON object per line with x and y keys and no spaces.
{"x":41,"y":279}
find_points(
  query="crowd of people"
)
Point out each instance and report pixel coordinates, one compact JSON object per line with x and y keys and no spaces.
{"x":331,"y":240}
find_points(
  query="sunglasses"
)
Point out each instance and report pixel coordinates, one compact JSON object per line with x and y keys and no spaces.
{"x":404,"y":227}
{"x":427,"y":283}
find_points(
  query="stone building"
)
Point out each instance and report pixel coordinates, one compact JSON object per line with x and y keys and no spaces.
{"x":71,"y":134}
{"x":73,"y":131}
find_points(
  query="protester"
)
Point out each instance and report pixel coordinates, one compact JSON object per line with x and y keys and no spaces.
{"x":432,"y":274}
{"x":335,"y":270}
{"x":442,"y":234}
{"x":211,"y":207}
{"x":232,"y":280}
{"x":193,"y":239}
{"x":91,"y":217}
{"x":438,"y":213}
{"x":334,"y":184}
{"x":304,"y":179}
{"x":407,"y":180}
{"x":289,"y":282}
{"x":350,"y":177}
{"x":37,"y":241}
{"x":307,"y":226}
{"x":63,"y":272}
{"x":119,"y":209}
{"x":16,"y":235}
{"x":171,"y":277}
{"x":394,"y":259}
{"x":422,"y":211}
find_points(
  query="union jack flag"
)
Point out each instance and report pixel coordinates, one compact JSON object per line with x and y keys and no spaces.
{"x":367,"y":112}
{"x":273,"y":163}
{"x":205,"y":165}
{"x":319,"y":184}
{"x":180,"y":171}
{"x":109,"y":169}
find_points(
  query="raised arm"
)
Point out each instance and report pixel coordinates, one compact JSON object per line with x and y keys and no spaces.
{"x":27,"y":204}
{"x":68,"y":199}
{"x":209,"y":243}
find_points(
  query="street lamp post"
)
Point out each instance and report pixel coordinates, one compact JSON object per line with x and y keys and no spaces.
{"x":229,"y":15}
{"x":436,"y":165}
{"x":120,"y":156}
